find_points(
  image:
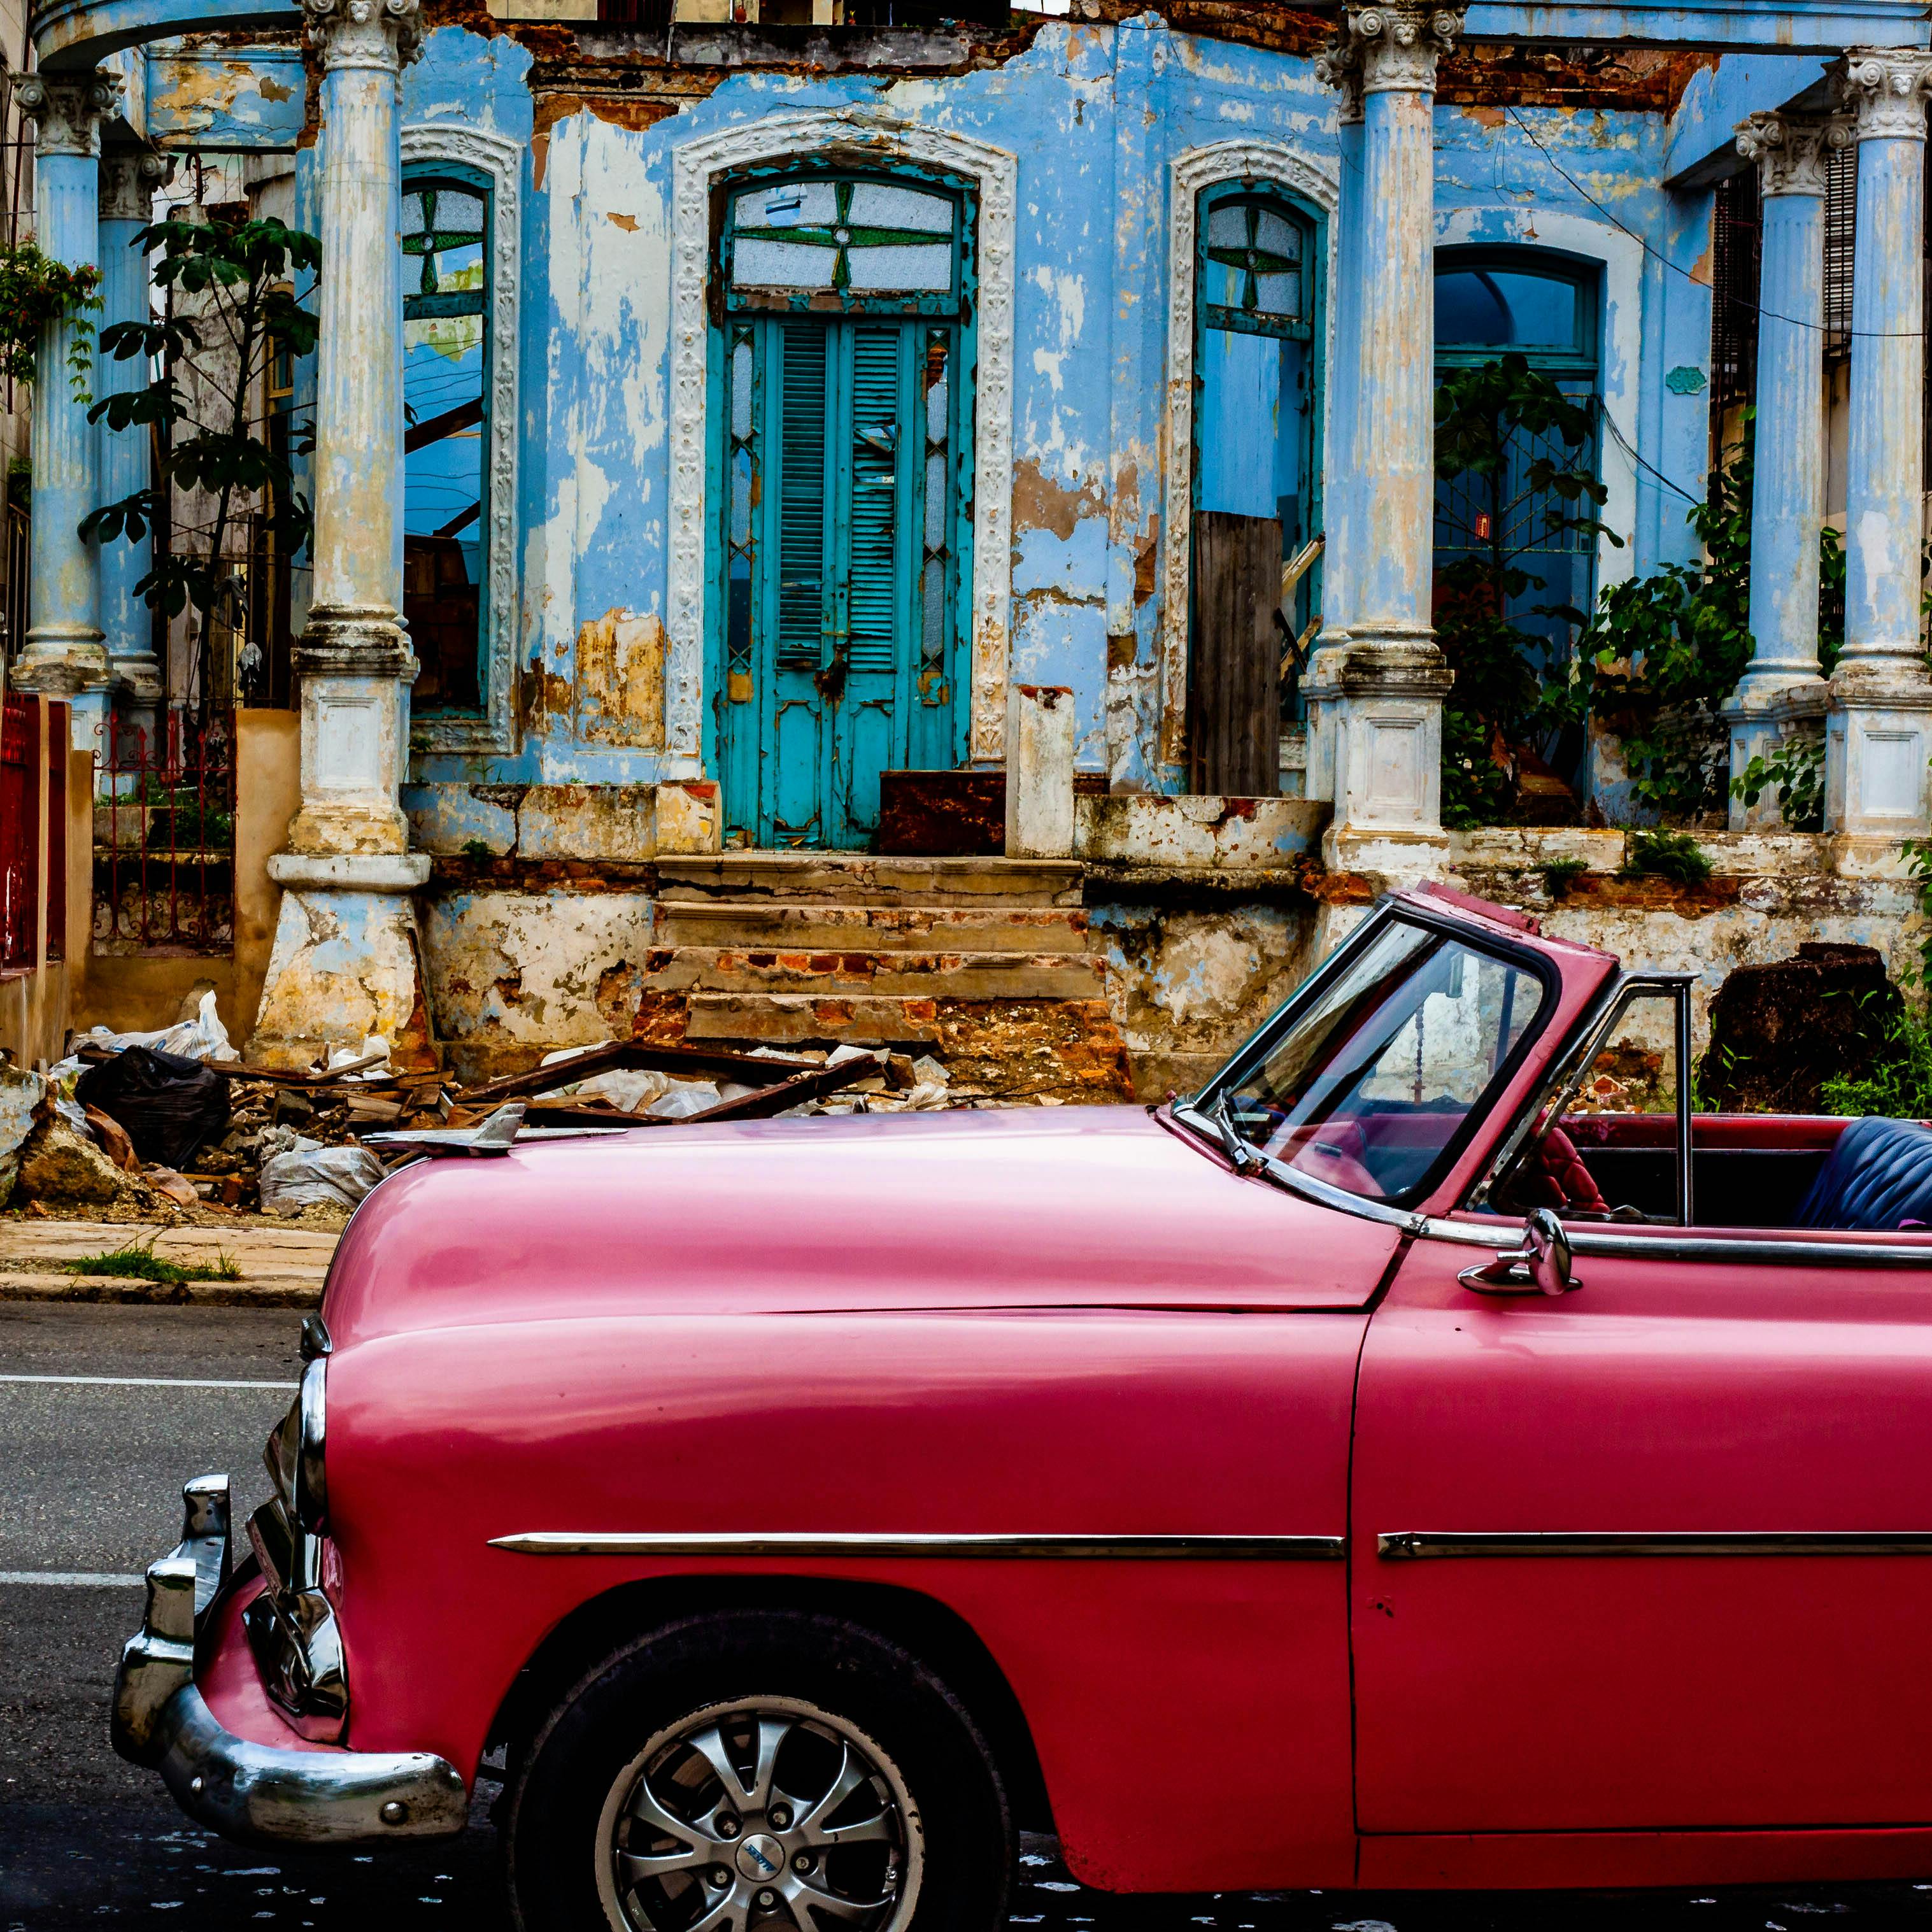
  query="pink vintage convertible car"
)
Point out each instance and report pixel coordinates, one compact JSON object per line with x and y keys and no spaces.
{"x":1424,"y":1460}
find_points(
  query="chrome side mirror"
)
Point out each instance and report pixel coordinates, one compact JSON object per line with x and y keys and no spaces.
{"x":1541,"y":1266}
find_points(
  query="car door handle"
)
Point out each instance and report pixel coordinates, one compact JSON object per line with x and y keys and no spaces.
{"x":1541,"y":1266}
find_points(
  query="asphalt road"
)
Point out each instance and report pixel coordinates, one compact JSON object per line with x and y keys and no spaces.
{"x":105,"y":1410}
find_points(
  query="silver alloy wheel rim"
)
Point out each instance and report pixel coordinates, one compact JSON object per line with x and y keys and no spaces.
{"x":669,"y":1861}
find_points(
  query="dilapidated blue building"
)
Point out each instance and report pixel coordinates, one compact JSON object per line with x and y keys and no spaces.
{"x":851,"y":518}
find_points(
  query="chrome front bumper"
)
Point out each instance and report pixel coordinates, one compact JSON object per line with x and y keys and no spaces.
{"x":252,"y":1792}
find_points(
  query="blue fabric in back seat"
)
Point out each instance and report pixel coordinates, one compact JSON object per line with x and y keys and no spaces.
{"x":1879,"y":1176}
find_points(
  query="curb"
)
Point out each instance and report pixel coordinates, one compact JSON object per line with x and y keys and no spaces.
{"x":285,"y":1294}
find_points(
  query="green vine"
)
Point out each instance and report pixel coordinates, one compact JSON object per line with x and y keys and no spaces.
{"x":1796,"y":772}
{"x":35,"y":290}
{"x":1662,"y":652}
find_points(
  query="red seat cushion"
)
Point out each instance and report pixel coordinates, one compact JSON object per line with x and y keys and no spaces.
{"x":1554,"y":1176}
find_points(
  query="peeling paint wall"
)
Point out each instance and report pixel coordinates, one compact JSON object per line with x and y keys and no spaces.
{"x":1096,"y":116}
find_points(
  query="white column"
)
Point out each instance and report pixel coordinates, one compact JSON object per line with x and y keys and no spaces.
{"x":66,"y":654}
{"x":129,"y":177}
{"x":1879,"y":734}
{"x":1384,"y":688}
{"x":1783,"y":686}
{"x":345,"y":958}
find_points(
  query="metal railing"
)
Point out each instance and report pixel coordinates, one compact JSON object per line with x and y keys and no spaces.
{"x":164,"y":837}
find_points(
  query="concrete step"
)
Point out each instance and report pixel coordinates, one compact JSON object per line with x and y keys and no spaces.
{"x":862,"y":1019}
{"x":832,"y":878}
{"x":953,"y":976}
{"x":790,"y":926}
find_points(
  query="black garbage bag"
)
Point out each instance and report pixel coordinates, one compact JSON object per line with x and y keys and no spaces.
{"x":171,"y":1107}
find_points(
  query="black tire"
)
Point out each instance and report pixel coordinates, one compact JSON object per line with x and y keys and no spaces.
{"x":569,"y":1788}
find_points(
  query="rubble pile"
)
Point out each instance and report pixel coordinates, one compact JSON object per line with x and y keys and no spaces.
{"x":175,"y":1124}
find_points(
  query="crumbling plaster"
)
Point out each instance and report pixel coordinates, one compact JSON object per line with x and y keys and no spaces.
{"x":1100,"y":120}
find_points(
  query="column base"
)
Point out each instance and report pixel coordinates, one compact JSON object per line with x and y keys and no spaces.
{"x":1321,"y":687}
{"x":1382,"y":702}
{"x":1878,"y":746}
{"x":1764,"y":710}
{"x":346,"y":963}
{"x":138,"y":677}
{"x":62,"y":662}
{"x":355,"y":667}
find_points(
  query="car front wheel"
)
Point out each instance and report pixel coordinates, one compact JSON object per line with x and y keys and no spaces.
{"x":755,"y":1771}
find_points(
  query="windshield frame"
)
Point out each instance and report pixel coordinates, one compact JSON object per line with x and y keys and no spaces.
{"x":1196,"y":1114}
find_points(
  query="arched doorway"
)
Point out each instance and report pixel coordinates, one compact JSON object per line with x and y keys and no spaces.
{"x":1491,"y":303}
{"x":1256,"y":477}
{"x":841,"y":355}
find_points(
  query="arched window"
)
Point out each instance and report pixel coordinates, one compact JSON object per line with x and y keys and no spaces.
{"x":447,"y":352}
{"x":1257,"y":483}
{"x":841,"y":486}
{"x":1490,"y":303}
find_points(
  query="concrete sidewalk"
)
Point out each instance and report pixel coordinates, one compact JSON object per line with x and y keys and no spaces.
{"x":281,"y":1267}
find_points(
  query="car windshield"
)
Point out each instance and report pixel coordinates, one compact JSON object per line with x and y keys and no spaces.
{"x":1369,"y":1083}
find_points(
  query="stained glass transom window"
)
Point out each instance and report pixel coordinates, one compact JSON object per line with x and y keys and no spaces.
{"x":853,"y":243}
{"x":1253,"y":268}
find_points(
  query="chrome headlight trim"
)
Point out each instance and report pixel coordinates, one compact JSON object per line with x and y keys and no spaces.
{"x":294,"y":1454}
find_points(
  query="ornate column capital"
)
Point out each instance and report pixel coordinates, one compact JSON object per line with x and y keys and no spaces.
{"x":385,"y":34}
{"x":1884,"y":89}
{"x":67,"y":114}
{"x":1388,"y":49}
{"x":129,"y":177}
{"x":1789,"y":149}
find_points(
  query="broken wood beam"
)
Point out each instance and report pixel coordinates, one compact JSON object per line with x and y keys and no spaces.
{"x":634,"y":1056}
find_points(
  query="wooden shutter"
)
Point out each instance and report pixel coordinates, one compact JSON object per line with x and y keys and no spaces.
{"x":801,"y":520}
{"x":878,"y":592}
{"x":1236,"y":733}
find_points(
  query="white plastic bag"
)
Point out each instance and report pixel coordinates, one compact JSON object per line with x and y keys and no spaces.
{"x":202,"y":1038}
{"x":688,"y":1097}
{"x":303,"y":1173}
{"x":631,"y":1091}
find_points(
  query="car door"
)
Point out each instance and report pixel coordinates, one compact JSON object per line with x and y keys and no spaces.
{"x":1655,"y":1555}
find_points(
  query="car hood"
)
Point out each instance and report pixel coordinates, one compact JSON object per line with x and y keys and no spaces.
{"x":1034,"y":1207}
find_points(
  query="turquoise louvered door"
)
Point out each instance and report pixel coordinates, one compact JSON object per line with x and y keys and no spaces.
{"x":792,"y":791}
{"x":839,"y":651}
{"x":874,"y":637}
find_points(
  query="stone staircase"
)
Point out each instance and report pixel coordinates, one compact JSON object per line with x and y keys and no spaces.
{"x":983,"y":960}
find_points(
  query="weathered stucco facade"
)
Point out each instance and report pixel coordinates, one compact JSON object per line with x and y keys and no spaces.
{"x":507,"y":861}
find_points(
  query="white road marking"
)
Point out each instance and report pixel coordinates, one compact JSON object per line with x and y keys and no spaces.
{"x":68,"y":1579}
{"x":144,"y":1382}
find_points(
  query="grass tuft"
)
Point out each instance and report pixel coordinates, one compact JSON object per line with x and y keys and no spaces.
{"x":134,"y":1262}
{"x":1560,"y":874}
{"x":1667,"y":855}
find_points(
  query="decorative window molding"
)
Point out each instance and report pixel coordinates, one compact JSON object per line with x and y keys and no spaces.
{"x":1280,"y":166}
{"x":1619,"y":351}
{"x":501,"y":159}
{"x":855,"y":133}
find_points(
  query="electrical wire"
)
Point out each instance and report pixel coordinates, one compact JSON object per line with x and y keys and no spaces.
{"x":1676,"y":269}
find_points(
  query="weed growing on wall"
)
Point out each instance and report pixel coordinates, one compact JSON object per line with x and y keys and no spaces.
{"x":231,"y":322}
{"x":1666,"y":855}
{"x":1899,"y":1081}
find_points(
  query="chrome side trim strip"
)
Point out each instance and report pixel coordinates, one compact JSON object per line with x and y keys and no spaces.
{"x":1079,"y":1549}
{"x":1417,"y":1543}
{"x":1676,"y":1244}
